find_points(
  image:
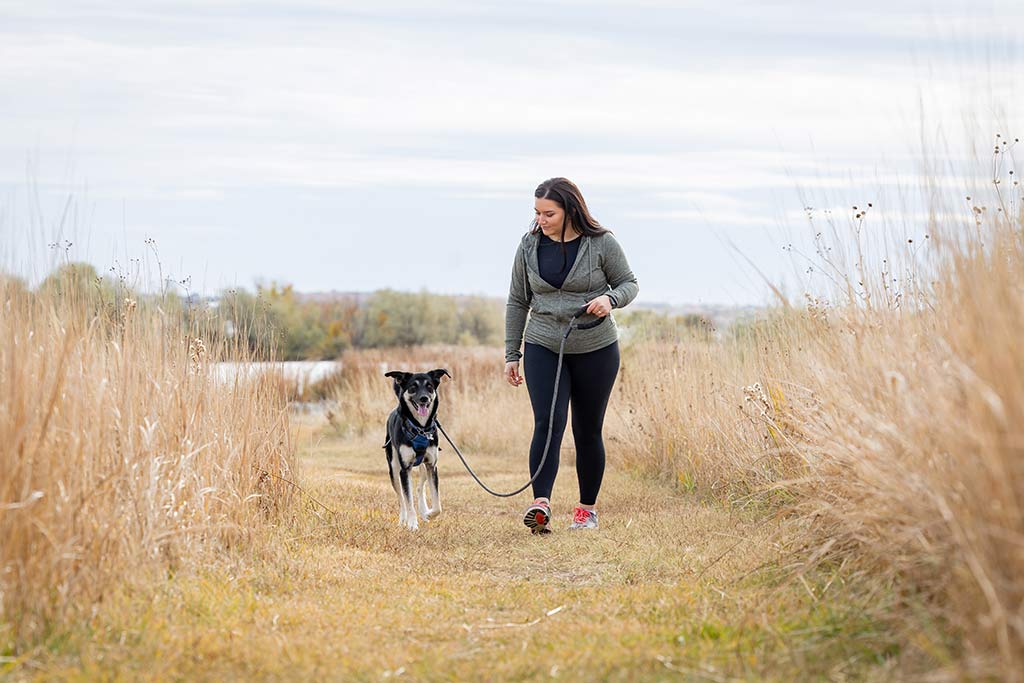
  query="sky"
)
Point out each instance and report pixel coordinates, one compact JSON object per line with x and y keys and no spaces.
{"x":354,"y":146}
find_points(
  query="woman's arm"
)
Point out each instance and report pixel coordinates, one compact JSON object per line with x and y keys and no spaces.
{"x":519,"y":297}
{"x":620,"y":277}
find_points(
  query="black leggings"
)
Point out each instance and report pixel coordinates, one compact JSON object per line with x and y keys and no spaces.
{"x":586,"y":381}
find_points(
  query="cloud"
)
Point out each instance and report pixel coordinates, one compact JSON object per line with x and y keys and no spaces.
{"x":668,"y":113}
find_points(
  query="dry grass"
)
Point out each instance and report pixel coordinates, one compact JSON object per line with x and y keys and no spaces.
{"x":120,"y":457}
{"x":891,"y":421}
{"x":910,"y":424}
{"x":671,"y":587}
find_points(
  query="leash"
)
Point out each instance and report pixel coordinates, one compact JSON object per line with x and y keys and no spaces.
{"x":551,"y":418}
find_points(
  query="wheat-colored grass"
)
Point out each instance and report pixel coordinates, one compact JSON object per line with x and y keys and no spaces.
{"x":910,"y":425}
{"x":673,"y":587}
{"x":892,"y":423}
{"x":120,"y":455}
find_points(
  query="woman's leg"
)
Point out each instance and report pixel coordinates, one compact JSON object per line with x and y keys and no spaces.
{"x":593,"y":376}
{"x":539,"y":366}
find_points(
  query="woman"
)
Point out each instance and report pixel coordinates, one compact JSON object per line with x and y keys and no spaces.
{"x":566,"y":260}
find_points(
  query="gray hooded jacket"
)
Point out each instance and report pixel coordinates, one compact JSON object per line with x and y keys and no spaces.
{"x":600,"y":268}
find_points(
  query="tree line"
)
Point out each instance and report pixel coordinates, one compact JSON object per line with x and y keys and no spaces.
{"x":274,"y":318}
{"x":278,"y":318}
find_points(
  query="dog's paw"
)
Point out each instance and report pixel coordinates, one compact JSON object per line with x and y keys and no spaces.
{"x":433,"y":514}
{"x":410,"y":522}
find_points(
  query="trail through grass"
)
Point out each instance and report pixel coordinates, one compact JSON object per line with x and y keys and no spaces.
{"x":671,"y":587}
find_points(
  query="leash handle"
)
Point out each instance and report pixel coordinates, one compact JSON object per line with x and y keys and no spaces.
{"x":582,"y":310}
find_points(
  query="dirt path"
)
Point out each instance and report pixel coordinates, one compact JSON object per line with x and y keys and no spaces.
{"x":668,"y":588}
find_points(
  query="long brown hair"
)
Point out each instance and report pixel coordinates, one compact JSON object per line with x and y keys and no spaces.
{"x":564,"y":192}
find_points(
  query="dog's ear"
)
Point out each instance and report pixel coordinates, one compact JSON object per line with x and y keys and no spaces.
{"x":400,"y":378}
{"x":436,"y":375}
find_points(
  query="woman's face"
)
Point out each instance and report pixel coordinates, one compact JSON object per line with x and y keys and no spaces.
{"x":550,"y":217}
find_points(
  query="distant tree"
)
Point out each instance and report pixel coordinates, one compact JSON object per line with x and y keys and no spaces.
{"x":71,"y":279}
{"x":296,"y":327}
{"x":338,"y":321}
{"x":244,"y":317}
{"x":300,"y":327}
{"x":440,"y":317}
{"x":482,"y":321}
{"x":79,"y":284}
{"x":393,"y":319}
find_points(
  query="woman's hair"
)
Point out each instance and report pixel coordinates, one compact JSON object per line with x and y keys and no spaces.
{"x":564,"y":192}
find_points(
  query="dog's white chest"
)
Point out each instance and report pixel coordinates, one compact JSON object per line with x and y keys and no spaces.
{"x":407,"y":455}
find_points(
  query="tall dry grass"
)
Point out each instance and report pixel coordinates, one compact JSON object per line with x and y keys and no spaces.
{"x":892,"y":420}
{"x":120,"y":454}
{"x":911,"y":425}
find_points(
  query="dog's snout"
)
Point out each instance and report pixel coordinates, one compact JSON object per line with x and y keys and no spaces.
{"x":424,"y":400}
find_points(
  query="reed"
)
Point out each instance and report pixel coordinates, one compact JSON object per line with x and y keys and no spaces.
{"x":887,"y":415}
{"x":120,"y":454}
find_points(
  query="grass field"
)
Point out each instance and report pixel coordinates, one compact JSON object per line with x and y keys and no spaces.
{"x":671,"y":587}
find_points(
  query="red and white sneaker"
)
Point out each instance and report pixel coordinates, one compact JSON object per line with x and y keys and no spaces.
{"x":537,"y":517}
{"x":582,"y":518}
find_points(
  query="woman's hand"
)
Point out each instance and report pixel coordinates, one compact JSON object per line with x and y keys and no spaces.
{"x":601,"y":306}
{"x":512,"y":375}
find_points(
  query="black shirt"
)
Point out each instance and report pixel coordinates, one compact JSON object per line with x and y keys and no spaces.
{"x":550,"y":259}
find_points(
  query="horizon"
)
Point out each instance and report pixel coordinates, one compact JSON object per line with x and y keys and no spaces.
{"x":334,"y":295}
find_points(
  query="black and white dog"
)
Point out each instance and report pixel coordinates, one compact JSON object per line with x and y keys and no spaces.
{"x":412,"y":441}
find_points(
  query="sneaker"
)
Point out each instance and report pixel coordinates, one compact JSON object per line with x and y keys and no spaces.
{"x":537,"y":517}
{"x":582,"y":518}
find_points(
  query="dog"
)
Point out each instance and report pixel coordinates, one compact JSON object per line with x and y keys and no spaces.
{"x":412,"y":441}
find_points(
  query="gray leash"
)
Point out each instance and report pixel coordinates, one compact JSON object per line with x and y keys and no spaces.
{"x":551,"y":418}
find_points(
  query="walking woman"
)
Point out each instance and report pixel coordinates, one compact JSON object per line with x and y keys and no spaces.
{"x":566,"y":260}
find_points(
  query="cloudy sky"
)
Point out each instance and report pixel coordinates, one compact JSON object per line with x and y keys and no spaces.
{"x":355,"y":145}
